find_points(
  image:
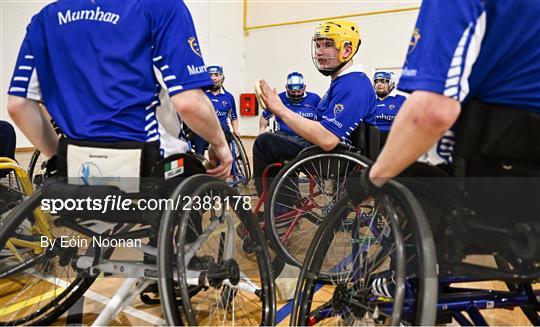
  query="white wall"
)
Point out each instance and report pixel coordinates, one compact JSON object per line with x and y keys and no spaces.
{"x":269,"y":53}
{"x":219,"y":26}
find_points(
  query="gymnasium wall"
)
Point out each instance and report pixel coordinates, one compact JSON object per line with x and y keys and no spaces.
{"x":269,"y":53}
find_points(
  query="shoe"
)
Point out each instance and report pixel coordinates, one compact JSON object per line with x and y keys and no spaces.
{"x":383,"y":285}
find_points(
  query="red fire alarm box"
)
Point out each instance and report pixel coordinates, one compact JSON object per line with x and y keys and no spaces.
{"x":248,"y":104}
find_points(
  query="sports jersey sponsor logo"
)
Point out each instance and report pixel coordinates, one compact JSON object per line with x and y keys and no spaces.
{"x":195,"y":70}
{"x":306,"y":114}
{"x":333,"y":121}
{"x":194,"y":45}
{"x":338,"y":108}
{"x":89,"y":169}
{"x":409,"y":72}
{"x":384,"y":117}
{"x":95,"y":15}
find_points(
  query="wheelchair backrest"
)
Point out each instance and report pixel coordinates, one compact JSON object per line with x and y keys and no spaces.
{"x":367,"y":138}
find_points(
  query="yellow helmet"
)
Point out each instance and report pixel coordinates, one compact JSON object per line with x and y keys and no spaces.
{"x":341,"y":32}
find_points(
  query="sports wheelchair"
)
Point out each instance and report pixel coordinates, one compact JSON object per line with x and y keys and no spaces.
{"x":305,"y":190}
{"x":241,"y":168}
{"x":389,"y":270}
{"x":51,"y":257}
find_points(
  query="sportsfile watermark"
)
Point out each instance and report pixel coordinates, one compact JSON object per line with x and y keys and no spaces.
{"x":121,"y":203}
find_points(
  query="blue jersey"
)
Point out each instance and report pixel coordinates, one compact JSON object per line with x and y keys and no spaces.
{"x":386,"y":110}
{"x":224,"y":105}
{"x":349,"y":101}
{"x":482,"y":49}
{"x":306,"y":107}
{"x":92,"y":64}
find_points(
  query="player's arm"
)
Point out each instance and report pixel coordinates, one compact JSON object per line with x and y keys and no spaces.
{"x":434,"y":105}
{"x":420,"y":123}
{"x":197,"y":112}
{"x":171,"y":23}
{"x":310,"y":130}
{"x":25,"y":93}
{"x":30,"y":119}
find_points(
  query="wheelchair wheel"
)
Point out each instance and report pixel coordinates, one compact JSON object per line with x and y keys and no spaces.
{"x":36,"y":174}
{"x":369,"y":288}
{"x":302,"y":194}
{"x":38,"y":282}
{"x":33,"y":163}
{"x":199,"y":248}
{"x":241,"y":169}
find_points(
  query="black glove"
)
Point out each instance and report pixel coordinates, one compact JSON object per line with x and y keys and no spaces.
{"x":50,"y":166}
{"x":359,"y":186}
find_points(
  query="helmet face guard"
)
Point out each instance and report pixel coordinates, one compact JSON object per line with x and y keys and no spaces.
{"x":215,"y":69}
{"x":338,"y":35}
{"x":324,"y":55}
{"x":384,"y":77}
{"x":295,"y":86}
{"x":216,"y":73}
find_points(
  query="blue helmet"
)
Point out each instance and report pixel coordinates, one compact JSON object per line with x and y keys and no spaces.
{"x":386,"y":76}
{"x":214,"y":69}
{"x":295,"y":81}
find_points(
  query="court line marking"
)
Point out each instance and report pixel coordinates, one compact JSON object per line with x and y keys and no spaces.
{"x":139,"y":314}
{"x":28,"y":302}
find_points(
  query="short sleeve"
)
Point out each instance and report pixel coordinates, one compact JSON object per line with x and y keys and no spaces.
{"x":351,"y":103}
{"x":234,"y":116}
{"x":176,"y":51}
{"x":444,"y":46}
{"x":24,"y":81}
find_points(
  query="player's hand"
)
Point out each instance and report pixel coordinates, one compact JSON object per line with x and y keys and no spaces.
{"x":237,"y":132}
{"x":221,"y":159}
{"x":271,"y":98}
{"x":359,"y":186}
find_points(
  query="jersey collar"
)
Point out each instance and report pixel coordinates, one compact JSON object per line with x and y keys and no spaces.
{"x":358,"y":68}
{"x":222,"y":91}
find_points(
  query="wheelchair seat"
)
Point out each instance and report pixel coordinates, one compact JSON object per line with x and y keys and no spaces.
{"x":367,"y":138}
